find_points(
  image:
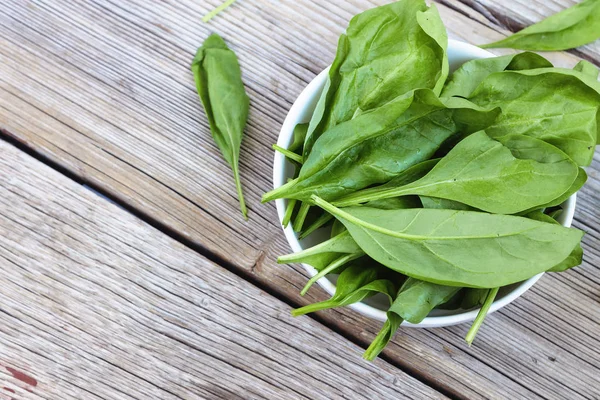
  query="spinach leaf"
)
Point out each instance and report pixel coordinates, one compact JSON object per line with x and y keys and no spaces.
{"x":577,"y":184}
{"x":574,"y":259}
{"x":466,"y":78}
{"x":386,"y":52}
{"x":221,"y":90}
{"x":570,"y":28}
{"x":457,"y":248}
{"x":378,"y":145}
{"x":298,"y":138}
{"x":587,"y":68}
{"x":414,"y":302}
{"x":354,"y":284}
{"x":504,"y":176}
{"x":417,"y":298}
{"x":337,"y":228}
{"x":559,"y":106}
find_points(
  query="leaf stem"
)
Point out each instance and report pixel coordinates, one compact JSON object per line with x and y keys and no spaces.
{"x":289,"y":210}
{"x":301,"y":217}
{"x":238,"y":186}
{"x":289,"y":154}
{"x":321,"y":221}
{"x":217,"y":10}
{"x":481,"y":316}
{"x":330,"y":268}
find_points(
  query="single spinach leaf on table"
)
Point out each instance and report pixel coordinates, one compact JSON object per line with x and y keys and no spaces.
{"x":354,"y":284}
{"x":457,"y":248}
{"x":414,"y":302}
{"x":386,"y":52}
{"x":468,"y":76}
{"x":559,"y":106}
{"x":221,"y":90}
{"x":568,"y":29}
{"x":503,"y":176}
{"x":376,"y":146}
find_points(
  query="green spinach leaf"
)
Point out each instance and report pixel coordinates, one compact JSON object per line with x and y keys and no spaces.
{"x":574,"y":259}
{"x":457,"y":248}
{"x":559,"y":106}
{"x":466,"y":78}
{"x":570,"y":28}
{"x":504,"y":176}
{"x":376,"y":146}
{"x":386,"y":52}
{"x":221,"y":90}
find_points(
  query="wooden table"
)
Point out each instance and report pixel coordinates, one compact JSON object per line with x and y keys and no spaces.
{"x":126,"y":269}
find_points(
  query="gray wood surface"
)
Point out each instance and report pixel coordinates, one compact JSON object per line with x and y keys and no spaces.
{"x":103,"y":89}
{"x":97,"y":304}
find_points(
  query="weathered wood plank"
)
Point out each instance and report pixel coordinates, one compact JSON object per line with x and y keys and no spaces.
{"x":95,"y":303}
{"x":103,"y":89}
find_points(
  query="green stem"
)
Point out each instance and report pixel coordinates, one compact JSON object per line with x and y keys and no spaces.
{"x":330,"y":268}
{"x":481,"y":315}
{"x":289,"y":154}
{"x":301,"y":217}
{"x":289,"y":210}
{"x":238,"y":185}
{"x":217,"y":10}
{"x":322,"y":220}
{"x":278,"y":193}
{"x":314,"y":307}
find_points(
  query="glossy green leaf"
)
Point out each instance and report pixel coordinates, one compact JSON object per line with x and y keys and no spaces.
{"x":386,"y":52}
{"x":465,"y":79}
{"x":575,"y":186}
{"x":559,"y":106}
{"x":574,"y":259}
{"x":221,"y":90}
{"x":457,"y":248}
{"x":504,"y":176}
{"x":354,"y":284}
{"x":377,"y":146}
{"x":568,"y":29}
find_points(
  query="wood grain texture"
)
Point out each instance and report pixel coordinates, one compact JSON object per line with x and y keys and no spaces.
{"x":103,"y":88}
{"x":95,"y":303}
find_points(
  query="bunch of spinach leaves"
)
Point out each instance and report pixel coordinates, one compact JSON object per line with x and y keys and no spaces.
{"x":439,"y":190}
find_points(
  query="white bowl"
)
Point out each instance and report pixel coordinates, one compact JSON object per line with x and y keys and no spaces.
{"x":301,"y":111}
